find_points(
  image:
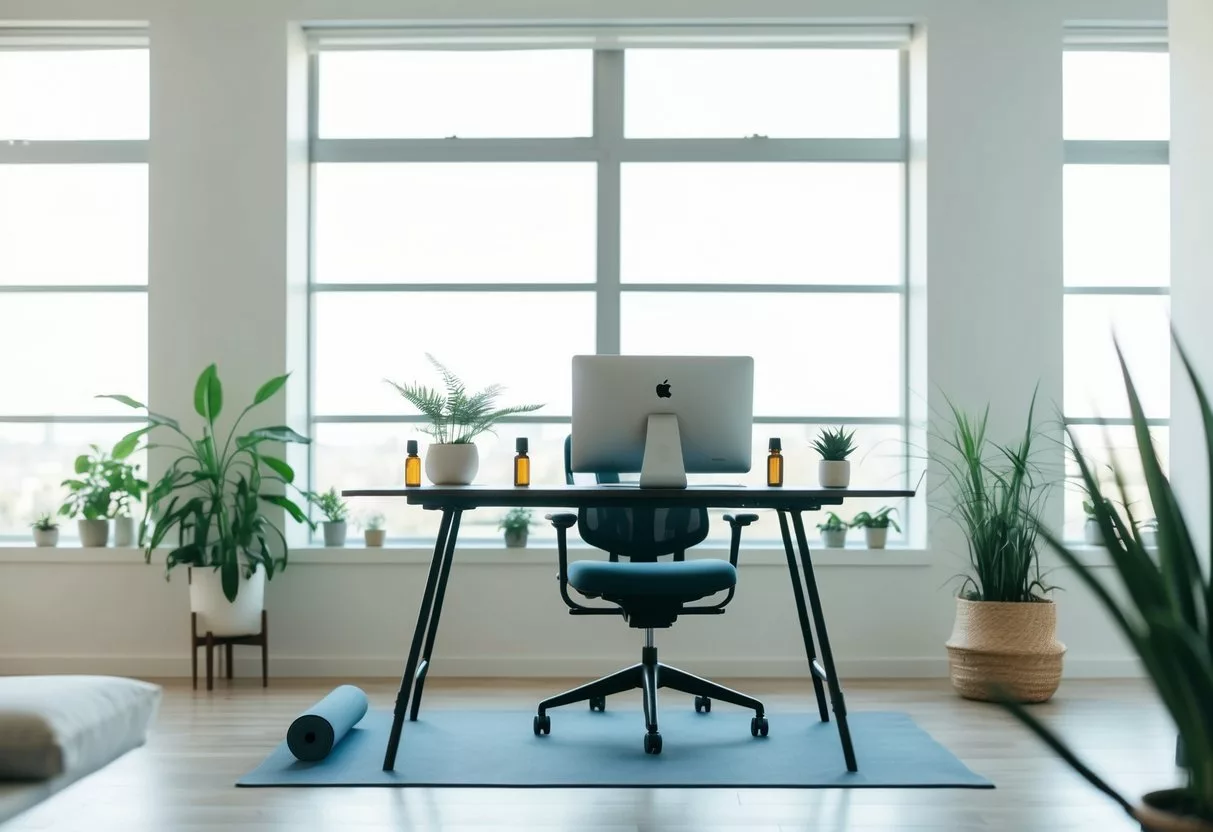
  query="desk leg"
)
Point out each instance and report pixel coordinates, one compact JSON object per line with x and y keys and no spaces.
{"x":803,"y":614}
{"x":424,"y":667}
{"x":827,"y":656}
{"x":423,"y":617}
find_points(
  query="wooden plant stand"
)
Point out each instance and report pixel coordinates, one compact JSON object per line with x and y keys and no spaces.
{"x":210,"y":641}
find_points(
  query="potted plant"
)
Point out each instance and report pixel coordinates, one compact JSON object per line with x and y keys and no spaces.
{"x":1164,"y":609}
{"x":516,"y":523}
{"x":46,"y":530}
{"x":1091,"y":534}
{"x":127,"y":489}
{"x":1005,"y":631}
{"x":834,"y":445}
{"x":456,"y":418}
{"x":875,"y":526}
{"x":213,"y":496}
{"x":374,"y":532}
{"x":335,"y":514}
{"x":89,"y":497}
{"x":1148,"y":529}
{"x":833,"y":531}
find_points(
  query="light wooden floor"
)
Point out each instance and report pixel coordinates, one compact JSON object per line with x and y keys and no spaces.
{"x":183,"y":779}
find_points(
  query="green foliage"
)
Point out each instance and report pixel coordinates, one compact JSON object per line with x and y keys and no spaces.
{"x":44,"y":522}
{"x":457,"y":416}
{"x":214,"y":493}
{"x":517,"y":519}
{"x":330,"y":502}
{"x":879,"y":520}
{"x":1167,"y":611}
{"x":91,"y":492}
{"x":833,"y":523}
{"x":127,"y":487}
{"x":834,"y":444}
{"x":997,"y":492}
{"x":374,"y":522}
{"x":1088,"y":506}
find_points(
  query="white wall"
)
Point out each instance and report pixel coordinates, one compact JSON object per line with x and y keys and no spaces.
{"x":226,"y":221}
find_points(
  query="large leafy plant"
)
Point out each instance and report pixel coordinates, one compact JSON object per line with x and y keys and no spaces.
{"x":997,"y":492}
{"x":214,"y":493}
{"x":457,"y":416}
{"x":1167,"y":611}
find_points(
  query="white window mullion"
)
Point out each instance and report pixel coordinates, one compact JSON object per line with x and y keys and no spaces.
{"x":608,"y":134}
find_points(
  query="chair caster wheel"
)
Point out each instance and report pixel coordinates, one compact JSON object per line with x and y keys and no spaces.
{"x":652,"y":743}
{"x":703,"y":705}
{"x":597,"y":703}
{"x":542,"y":725}
{"x":759,"y":726}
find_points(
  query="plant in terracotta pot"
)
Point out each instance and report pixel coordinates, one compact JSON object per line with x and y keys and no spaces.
{"x":90,"y":494}
{"x":875,"y":526}
{"x":336,"y":513}
{"x":1005,"y":631}
{"x":456,"y":418}
{"x":1163,"y":607}
{"x":833,"y":531}
{"x":213,"y":497}
{"x":46,"y":530}
{"x":516,"y":523}
{"x":373,"y":531}
{"x":834,"y":445}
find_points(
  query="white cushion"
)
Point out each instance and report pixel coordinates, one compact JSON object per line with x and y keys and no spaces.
{"x":70,"y":725}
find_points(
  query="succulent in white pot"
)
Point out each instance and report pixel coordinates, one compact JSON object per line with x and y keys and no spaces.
{"x":456,"y":418}
{"x":875,"y":526}
{"x":833,"y":531}
{"x":834,"y":445}
{"x":46,"y":531}
{"x":336,"y":513}
{"x":373,"y":531}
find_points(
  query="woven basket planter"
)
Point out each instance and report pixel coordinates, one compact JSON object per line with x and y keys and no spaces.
{"x":1010,"y":645}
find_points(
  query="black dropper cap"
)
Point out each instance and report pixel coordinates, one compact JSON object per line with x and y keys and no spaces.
{"x":776,"y":444}
{"x":411,"y":446}
{"x":520,"y":445}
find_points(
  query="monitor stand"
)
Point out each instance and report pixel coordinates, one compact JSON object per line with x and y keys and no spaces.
{"x":663,"y":466}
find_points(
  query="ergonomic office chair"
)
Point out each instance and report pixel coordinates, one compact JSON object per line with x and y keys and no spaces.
{"x":649,"y":595}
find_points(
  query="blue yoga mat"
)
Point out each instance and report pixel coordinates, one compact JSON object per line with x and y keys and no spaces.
{"x":586,"y":749}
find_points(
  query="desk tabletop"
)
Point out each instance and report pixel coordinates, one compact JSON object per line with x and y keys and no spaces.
{"x":578,"y":496}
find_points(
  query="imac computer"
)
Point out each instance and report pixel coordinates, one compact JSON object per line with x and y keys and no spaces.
{"x":664,"y":416}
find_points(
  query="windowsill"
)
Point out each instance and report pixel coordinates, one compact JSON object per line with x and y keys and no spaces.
{"x":481,"y":554}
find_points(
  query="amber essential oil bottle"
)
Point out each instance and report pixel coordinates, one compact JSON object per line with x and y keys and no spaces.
{"x":412,"y":465}
{"x":522,"y":463}
{"x":775,"y":463}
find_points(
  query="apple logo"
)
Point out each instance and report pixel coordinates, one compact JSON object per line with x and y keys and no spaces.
{"x":663,"y":389}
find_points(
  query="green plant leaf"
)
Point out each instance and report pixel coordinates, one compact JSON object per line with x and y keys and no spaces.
{"x":291,"y":508}
{"x":279,"y":467}
{"x":278,"y":433}
{"x":126,"y":400}
{"x":82,"y":464}
{"x":267,"y":390}
{"x":127,"y":444}
{"x":229,"y":576}
{"x":208,"y":394}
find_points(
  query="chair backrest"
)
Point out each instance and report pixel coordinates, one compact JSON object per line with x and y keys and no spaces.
{"x":640,"y":533}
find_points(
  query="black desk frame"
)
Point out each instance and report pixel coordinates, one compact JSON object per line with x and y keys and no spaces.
{"x":790,"y":504}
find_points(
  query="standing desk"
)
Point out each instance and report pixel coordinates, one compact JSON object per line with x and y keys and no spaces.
{"x":790,"y":503}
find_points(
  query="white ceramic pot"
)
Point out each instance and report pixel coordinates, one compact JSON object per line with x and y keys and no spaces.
{"x":1149,"y":538}
{"x":375,"y":537}
{"x":515,"y":538}
{"x":452,"y":464}
{"x":334,"y":534}
{"x":46,"y":537}
{"x":876,"y":537}
{"x":834,"y":473}
{"x":124,"y":531}
{"x":834,"y":538}
{"x":216,"y":614}
{"x":1091,"y":534}
{"x":94,"y":533}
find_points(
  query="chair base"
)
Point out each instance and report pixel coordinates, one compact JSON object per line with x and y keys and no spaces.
{"x":649,"y":676}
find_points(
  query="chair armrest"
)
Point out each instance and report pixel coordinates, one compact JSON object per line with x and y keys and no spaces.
{"x":737,"y":520}
{"x":562,"y":521}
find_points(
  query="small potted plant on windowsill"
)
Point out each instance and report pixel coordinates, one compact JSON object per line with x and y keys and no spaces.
{"x":1148,"y":529}
{"x":335,"y":514}
{"x":833,"y":531}
{"x":127,"y":489}
{"x":875,"y":526}
{"x":456,"y":418}
{"x":89,"y":497}
{"x":834,"y":445}
{"x":1091,"y":535}
{"x":46,"y":531}
{"x":373,"y":532}
{"x":516,"y":523}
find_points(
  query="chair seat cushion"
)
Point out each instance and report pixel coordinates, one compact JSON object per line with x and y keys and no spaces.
{"x":683,"y":579}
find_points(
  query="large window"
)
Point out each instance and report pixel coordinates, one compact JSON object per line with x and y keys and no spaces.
{"x":507,"y":209}
{"x":1117,"y":257}
{"x":73,"y":262}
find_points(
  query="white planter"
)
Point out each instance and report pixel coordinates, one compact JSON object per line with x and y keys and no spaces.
{"x":46,"y":537}
{"x":515,"y":538}
{"x":94,"y":533}
{"x":876,"y":537}
{"x":375,"y":537}
{"x":124,"y":531}
{"x":452,"y":464}
{"x":219,"y":616}
{"x":1091,"y":535}
{"x":834,"y":538}
{"x":834,"y":473}
{"x":1149,"y":538}
{"x":334,"y":534}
